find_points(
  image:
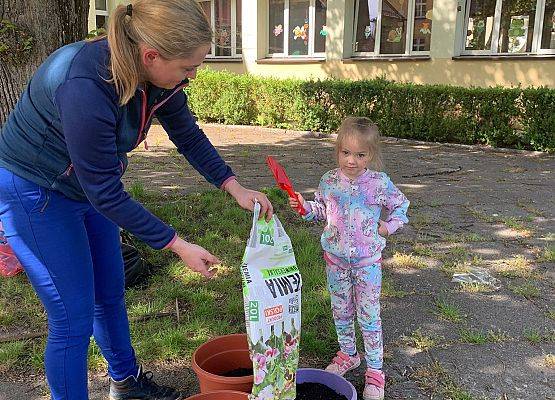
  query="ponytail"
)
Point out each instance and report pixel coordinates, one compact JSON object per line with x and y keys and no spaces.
{"x":125,"y":61}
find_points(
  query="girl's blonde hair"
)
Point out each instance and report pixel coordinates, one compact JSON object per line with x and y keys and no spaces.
{"x":364,"y":130}
{"x":176,"y":28}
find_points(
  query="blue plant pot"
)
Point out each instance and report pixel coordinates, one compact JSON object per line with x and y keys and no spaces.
{"x":333,"y":381}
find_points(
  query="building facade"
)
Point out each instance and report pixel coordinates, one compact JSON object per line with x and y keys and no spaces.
{"x":456,"y":42}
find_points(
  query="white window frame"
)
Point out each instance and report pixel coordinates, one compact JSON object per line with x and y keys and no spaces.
{"x":104,"y":13}
{"x":234,"y":53}
{"x":286,"y":33}
{"x":538,"y":25}
{"x":409,"y":34}
{"x":421,"y":2}
{"x":494,"y":51}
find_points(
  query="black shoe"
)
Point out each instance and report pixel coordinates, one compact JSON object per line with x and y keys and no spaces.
{"x":141,"y":388}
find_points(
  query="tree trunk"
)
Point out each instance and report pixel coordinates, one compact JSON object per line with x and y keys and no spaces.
{"x":51,"y":24}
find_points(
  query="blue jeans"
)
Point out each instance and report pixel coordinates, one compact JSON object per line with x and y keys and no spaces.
{"x":72,"y":257}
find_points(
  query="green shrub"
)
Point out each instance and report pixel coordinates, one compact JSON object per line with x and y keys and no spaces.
{"x":516,"y":118}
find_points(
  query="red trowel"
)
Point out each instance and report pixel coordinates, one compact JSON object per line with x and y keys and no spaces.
{"x":283,"y":181}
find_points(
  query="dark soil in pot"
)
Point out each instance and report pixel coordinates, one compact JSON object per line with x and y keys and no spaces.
{"x":238,"y":372}
{"x":316,"y":391}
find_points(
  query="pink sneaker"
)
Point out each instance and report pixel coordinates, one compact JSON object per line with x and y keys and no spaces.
{"x":374,"y":386}
{"x":342,"y":363}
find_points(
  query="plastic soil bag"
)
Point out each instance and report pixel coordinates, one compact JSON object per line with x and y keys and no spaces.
{"x":272,"y":297}
{"x":9,"y":264}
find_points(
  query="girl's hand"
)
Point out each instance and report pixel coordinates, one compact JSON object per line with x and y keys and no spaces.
{"x":195,"y":257}
{"x":294,"y":203}
{"x":382,"y":229}
{"x":246,"y":199}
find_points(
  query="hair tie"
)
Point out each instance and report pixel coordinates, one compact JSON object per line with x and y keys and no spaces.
{"x":129,"y":10}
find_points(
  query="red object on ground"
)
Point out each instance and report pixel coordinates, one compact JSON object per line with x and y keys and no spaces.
{"x":9,"y":264}
{"x":283,"y":181}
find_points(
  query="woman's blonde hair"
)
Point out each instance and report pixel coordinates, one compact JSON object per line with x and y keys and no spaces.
{"x":176,"y":28}
{"x":363,"y":129}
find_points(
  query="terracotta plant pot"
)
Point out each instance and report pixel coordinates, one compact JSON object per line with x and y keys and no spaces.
{"x":220,"y":395}
{"x":333,"y":381}
{"x":219,"y":356}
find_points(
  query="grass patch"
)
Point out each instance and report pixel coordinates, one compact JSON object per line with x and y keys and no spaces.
{"x":548,"y":254}
{"x":137,"y":190}
{"x":458,"y":253}
{"x":96,"y":361}
{"x":422,"y":250}
{"x":480,"y":337}
{"x":450,"y":266}
{"x":516,"y":267}
{"x":550,"y":314}
{"x":468,"y":238}
{"x":435,"y":380}
{"x":435,"y":203}
{"x":525,"y":205}
{"x":475,"y":288}
{"x":533,"y":336}
{"x":420,"y":221}
{"x":514,"y":223}
{"x":389,"y":289}
{"x":458,"y":259}
{"x":9,"y":354}
{"x":418,"y":340}
{"x":480,"y":215}
{"x":445,"y":223}
{"x":526,"y":289}
{"x":14,"y":292}
{"x":448,"y":312}
{"x":35,"y":356}
{"x":475,"y":238}
{"x":473,"y":336}
{"x":407,"y":261}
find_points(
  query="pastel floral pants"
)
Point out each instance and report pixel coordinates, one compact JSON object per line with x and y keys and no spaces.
{"x":355,"y":291}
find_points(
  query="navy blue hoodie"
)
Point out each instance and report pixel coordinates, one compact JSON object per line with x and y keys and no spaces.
{"x":68,"y":133}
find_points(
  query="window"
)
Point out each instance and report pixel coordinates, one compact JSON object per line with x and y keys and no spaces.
{"x":101,"y":14}
{"x":297,"y":28}
{"x":225,"y":18}
{"x":548,"y":27}
{"x":388,"y":26}
{"x":509,"y":27}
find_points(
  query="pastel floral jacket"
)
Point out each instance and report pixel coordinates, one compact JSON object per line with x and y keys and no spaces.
{"x":352,"y":210}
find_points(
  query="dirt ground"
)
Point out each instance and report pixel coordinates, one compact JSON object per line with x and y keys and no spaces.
{"x":477,"y":206}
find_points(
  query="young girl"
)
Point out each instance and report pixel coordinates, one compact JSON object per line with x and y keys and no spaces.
{"x":350,"y":199}
{"x":62,"y":154}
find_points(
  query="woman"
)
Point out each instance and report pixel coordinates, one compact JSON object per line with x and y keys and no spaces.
{"x":62,"y":154}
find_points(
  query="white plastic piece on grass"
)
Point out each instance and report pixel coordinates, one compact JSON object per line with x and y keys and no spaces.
{"x":477,"y":276}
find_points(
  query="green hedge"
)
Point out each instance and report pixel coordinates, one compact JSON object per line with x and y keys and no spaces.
{"x":517,"y":118}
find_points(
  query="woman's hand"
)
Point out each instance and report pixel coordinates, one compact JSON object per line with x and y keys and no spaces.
{"x":195,"y":257}
{"x":294,"y":203}
{"x":382,"y":229}
{"x":246,"y":199}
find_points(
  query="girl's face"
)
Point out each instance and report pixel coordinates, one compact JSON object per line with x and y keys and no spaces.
{"x":353,"y":157}
{"x":168,"y":74}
